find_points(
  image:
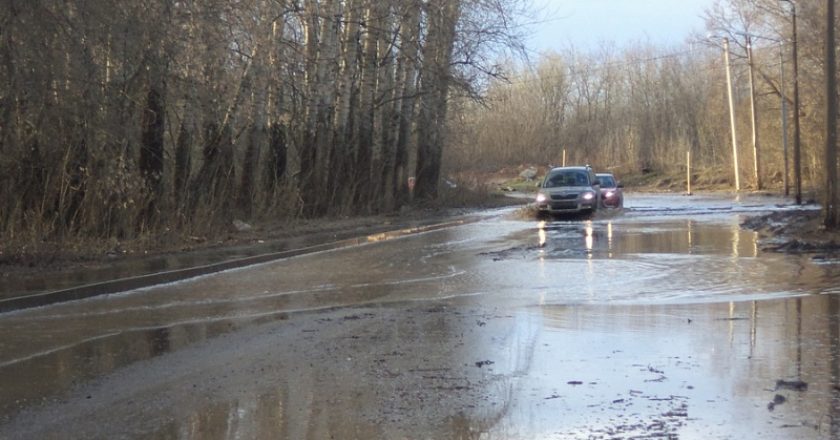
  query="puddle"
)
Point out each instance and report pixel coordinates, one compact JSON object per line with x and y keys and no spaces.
{"x":613,"y":239}
{"x":61,"y":368}
{"x":683,"y":371}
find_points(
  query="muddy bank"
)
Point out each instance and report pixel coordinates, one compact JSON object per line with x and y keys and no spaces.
{"x":799,"y":231}
{"x":55,"y":266}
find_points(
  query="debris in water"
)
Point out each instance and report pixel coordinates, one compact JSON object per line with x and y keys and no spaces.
{"x":792,"y":385}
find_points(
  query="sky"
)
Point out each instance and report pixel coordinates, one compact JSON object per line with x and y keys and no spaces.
{"x":585,"y":24}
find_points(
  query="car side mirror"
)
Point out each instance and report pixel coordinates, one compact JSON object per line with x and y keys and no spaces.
{"x":620,"y":185}
{"x":597,"y":182}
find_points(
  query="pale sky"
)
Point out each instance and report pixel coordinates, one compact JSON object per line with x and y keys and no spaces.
{"x":586,"y":23}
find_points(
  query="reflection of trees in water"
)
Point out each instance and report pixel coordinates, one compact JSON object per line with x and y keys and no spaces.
{"x":691,"y":237}
{"x":795,"y":339}
{"x":834,"y":340}
{"x":258,"y":416}
{"x":57,"y":371}
{"x":799,"y":340}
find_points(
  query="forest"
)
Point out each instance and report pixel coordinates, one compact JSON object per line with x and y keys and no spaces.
{"x":122,"y":119}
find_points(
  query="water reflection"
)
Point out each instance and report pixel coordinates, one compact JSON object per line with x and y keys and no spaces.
{"x":589,"y":240}
{"x":567,"y":372}
{"x":726,"y":385}
{"x":23,"y":381}
{"x":418,"y":372}
{"x":615,"y":239}
{"x":257,"y":416}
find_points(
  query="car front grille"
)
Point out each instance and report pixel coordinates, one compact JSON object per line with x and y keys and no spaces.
{"x":564,"y":197}
{"x":564,"y":205}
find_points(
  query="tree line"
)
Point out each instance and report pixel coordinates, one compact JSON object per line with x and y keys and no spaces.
{"x":123,"y":118}
{"x":644,"y":107}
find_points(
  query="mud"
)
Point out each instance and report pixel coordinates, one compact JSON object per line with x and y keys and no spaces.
{"x":795,"y":232}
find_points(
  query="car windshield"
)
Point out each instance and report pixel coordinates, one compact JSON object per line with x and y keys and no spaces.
{"x":607,"y":181}
{"x":566,"y":178}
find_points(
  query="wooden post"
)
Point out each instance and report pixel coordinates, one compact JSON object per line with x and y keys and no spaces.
{"x":688,"y":171}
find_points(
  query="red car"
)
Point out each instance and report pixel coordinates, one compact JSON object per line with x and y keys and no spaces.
{"x":612,"y":195}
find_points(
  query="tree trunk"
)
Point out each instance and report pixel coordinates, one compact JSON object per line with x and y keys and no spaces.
{"x":407,"y":88}
{"x":325,"y":101}
{"x":308,"y":150}
{"x":276,"y":164}
{"x":366,"y":111}
{"x":151,"y":150}
{"x":384,"y":127}
{"x":346,"y":99}
{"x":183,"y":163}
{"x":74,"y":183}
{"x":248,"y":185}
{"x":214,"y":184}
{"x":443,"y":17}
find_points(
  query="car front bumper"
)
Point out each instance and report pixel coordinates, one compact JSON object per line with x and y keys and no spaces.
{"x":566,"y":207}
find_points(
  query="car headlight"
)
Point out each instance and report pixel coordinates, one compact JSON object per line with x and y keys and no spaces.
{"x":588,"y":196}
{"x":541,"y":198}
{"x":610,"y":194}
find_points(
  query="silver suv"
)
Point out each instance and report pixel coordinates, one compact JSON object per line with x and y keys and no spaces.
{"x":569,"y":190}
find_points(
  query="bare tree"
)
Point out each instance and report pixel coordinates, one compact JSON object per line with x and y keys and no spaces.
{"x":435,"y":81}
{"x":120,"y":119}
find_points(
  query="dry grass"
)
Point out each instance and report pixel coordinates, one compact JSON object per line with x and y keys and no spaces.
{"x":471,"y":190}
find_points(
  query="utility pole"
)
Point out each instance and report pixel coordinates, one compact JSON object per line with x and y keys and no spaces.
{"x":797,"y":143}
{"x":784,"y":115}
{"x":831,"y":220}
{"x":731,"y":113}
{"x":754,"y":111}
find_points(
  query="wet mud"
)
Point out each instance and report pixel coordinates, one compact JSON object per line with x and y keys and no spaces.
{"x":795,"y":232}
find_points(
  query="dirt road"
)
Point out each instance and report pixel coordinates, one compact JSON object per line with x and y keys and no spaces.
{"x":664,"y":321}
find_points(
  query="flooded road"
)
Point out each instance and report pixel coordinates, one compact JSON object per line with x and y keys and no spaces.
{"x":664,"y":321}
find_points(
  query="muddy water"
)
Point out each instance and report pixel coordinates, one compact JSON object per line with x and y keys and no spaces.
{"x":689,"y":371}
{"x":662,"y":320}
